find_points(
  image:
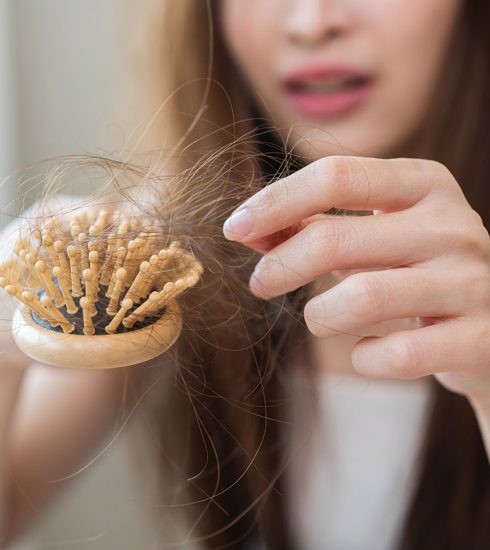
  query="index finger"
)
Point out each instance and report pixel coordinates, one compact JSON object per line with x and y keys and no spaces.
{"x":353,"y":183}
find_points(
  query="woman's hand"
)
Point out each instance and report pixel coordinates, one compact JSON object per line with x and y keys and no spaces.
{"x":425,"y":255}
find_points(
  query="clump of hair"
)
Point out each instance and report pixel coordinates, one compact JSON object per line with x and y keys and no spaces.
{"x":218,"y":407}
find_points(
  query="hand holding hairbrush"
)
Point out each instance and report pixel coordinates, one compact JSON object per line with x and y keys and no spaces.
{"x":97,"y":290}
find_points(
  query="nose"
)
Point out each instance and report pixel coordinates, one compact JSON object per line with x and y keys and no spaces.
{"x":313,"y":22}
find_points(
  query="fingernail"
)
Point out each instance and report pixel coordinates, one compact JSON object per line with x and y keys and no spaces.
{"x":238,"y":225}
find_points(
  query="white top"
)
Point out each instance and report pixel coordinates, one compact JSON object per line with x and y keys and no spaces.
{"x":353,"y":467}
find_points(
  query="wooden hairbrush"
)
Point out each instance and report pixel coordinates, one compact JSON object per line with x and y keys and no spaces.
{"x":97,"y":290}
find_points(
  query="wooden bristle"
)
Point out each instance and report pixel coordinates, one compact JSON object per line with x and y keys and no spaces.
{"x":31,"y":258}
{"x":75,"y":230}
{"x":101,"y":221}
{"x":45,"y":276}
{"x":149,"y":278}
{"x":63,"y":263}
{"x":93,"y":260}
{"x":13,"y":290}
{"x":90,"y":289}
{"x":130,"y":262}
{"x":76,"y":287}
{"x":106,"y":270}
{"x":120,"y":256}
{"x":136,"y":289}
{"x":122,"y":232}
{"x":65,"y":291}
{"x":32,"y":301}
{"x":88,"y":325}
{"x":47,"y":241}
{"x":142,"y":311}
{"x":126,"y":305}
{"x":82,"y":239}
{"x":57,"y":315}
{"x":97,"y":269}
{"x":121,"y":275}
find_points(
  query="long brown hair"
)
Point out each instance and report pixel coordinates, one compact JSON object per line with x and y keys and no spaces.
{"x":224,"y":416}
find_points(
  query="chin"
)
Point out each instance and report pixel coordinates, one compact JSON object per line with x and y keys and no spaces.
{"x":362,"y":134}
{"x":312,"y":143}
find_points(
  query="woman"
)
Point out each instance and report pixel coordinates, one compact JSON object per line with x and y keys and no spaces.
{"x":338,"y":82}
{"x":370,"y":79}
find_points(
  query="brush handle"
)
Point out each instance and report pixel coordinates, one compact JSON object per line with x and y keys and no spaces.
{"x":97,"y":351}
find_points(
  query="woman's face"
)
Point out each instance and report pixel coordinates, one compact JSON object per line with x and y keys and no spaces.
{"x":341,"y":76}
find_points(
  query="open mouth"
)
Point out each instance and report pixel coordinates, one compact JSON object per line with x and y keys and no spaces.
{"x":323,"y":93}
{"x":326,"y":85}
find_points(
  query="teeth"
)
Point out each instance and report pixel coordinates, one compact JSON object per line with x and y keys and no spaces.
{"x":324,"y":87}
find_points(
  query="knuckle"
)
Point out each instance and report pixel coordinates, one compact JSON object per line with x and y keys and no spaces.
{"x":320,"y":241}
{"x":477,"y":220}
{"x":409,"y":357}
{"x":366,"y":296}
{"x":482,"y":334}
{"x":439,"y":171}
{"x":470,"y":237}
{"x":443,"y":179}
{"x":481,"y":235}
{"x":328,"y":240}
{"x":436,"y":167}
{"x":340,"y":166}
{"x":467,"y":235}
{"x":313,"y":241}
{"x":333,"y":170}
{"x":475,"y":285}
{"x":269,"y":269}
{"x":344,"y":177}
{"x":432,"y":175}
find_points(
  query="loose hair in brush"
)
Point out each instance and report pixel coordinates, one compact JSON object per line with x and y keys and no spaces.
{"x":84,"y":273}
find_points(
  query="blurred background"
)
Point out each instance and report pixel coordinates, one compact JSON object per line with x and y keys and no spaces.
{"x":65,"y":67}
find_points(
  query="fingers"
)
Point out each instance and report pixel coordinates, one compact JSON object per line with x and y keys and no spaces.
{"x":447,"y":347}
{"x":269,"y":242}
{"x":353,"y":183}
{"x":346,"y":242}
{"x":365,"y":299}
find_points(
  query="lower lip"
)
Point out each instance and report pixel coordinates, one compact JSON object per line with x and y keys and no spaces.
{"x":329,"y":105}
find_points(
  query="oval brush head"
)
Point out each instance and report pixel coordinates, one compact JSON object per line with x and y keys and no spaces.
{"x":98,"y":290}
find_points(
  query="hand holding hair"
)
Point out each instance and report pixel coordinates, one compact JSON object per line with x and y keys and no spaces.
{"x":426,"y":254}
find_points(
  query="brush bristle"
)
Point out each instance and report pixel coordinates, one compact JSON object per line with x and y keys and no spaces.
{"x":98,"y":273}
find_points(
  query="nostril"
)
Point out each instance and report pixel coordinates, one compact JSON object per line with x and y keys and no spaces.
{"x":333,"y":33}
{"x":317,"y":27}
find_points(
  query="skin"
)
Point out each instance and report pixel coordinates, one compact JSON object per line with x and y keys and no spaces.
{"x":401,"y":44}
{"x":396,"y":270}
{"x":425,"y":231}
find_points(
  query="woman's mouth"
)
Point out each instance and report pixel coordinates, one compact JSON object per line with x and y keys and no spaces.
{"x":327,"y":92}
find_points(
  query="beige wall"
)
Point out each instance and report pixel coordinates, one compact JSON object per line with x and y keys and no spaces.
{"x":8,"y":128}
{"x":65,"y":68}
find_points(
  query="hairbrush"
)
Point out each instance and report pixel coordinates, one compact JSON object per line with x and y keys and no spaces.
{"x":97,"y":289}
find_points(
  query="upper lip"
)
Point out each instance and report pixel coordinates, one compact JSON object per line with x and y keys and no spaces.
{"x":319,"y":72}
